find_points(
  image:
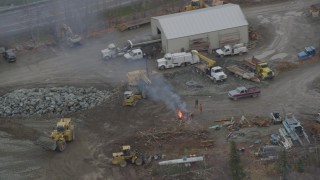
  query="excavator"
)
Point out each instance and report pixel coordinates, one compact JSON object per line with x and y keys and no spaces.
{"x":195,"y":4}
{"x":137,"y":86}
{"x":63,"y":132}
{"x":71,"y":38}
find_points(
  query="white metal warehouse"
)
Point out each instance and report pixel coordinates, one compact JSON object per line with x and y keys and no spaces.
{"x":203,"y":29}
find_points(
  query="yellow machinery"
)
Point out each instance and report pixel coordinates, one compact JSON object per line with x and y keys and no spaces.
{"x":127,"y":155}
{"x":261,"y":68}
{"x":63,"y":133}
{"x":195,"y":4}
{"x":130,"y":99}
{"x":71,"y":38}
{"x":137,"y":85}
{"x":210,"y":62}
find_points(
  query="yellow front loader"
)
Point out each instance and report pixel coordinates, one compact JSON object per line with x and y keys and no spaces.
{"x":63,"y":132}
{"x":130,"y":99}
{"x":127,"y":155}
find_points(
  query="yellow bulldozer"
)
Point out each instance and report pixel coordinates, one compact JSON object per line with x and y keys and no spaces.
{"x":127,"y":155}
{"x":63,"y":132}
{"x":137,"y":87}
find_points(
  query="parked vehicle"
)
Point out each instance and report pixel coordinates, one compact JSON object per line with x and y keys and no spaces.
{"x":215,"y":73}
{"x":260,"y":68}
{"x":9,"y":55}
{"x":148,"y":45}
{"x":112,"y":52}
{"x":243,"y":73}
{"x":232,"y":50}
{"x":276,"y":118}
{"x":241,"y":92}
{"x":307,"y":53}
{"x":134,"y":54}
{"x":172,"y":60}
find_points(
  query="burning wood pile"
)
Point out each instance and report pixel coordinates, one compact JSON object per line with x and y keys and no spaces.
{"x":184,"y":115}
{"x":160,"y":136}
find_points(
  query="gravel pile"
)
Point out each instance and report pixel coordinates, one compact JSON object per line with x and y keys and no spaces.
{"x":56,"y":100}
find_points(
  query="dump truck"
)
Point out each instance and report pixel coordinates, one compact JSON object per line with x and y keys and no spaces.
{"x":70,"y":38}
{"x":260,"y":68}
{"x":134,"y":24}
{"x":243,"y":73}
{"x":228,"y":50}
{"x":172,"y":60}
{"x":138,"y":82}
{"x":215,"y":73}
{"x":127,"y":155}
{"x":63,"y":132}
{"x":241,"y":92}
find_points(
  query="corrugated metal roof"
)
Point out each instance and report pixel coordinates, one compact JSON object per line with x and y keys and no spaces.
{"x":202,"y":21}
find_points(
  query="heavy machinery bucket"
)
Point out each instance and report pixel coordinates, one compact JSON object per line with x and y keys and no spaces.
{"x":46,"y":143}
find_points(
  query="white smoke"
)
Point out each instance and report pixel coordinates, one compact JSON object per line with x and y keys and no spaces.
{"x":161,"y":90}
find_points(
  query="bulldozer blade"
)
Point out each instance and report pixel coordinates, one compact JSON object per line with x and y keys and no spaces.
{"x":46,"y":143}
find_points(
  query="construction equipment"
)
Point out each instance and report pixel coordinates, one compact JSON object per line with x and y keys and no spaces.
{"x":172,"y":60}
{"x":214,"y":73}
{"x":127,"y":155}
{"x":261,"y":68}
{"x":130,"y":99}
{"x":137,"y":84}
{"x":71,"y":38}
{"x":243,"y":73}
{"x":64,"y":132}
{"x":195,"y":4}
{"x":232,"y":50}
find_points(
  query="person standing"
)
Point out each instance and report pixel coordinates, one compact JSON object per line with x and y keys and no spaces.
{"x":200,"y":107}
{"x":196,"y":102}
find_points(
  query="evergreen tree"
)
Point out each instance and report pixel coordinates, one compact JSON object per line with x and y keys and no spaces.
{"x":237,"y":171}
{"x":283,"y":165}
{"x":300,"y":166}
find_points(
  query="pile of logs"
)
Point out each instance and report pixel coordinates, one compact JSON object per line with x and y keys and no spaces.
{"x":159,"y":136}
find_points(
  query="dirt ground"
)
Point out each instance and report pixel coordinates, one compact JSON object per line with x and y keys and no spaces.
{"x":284,"y":29}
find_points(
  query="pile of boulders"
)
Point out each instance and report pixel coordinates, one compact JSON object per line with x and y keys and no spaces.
{"x":56,"y":100}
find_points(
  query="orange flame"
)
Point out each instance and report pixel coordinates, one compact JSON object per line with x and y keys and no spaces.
{"x":179,"y":114}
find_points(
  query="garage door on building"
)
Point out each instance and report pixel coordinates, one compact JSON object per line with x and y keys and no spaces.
{"x":231,"y":38}
{"x":200,"y":44}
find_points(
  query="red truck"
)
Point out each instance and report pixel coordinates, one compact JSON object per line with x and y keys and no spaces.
{"x":240,"y":92}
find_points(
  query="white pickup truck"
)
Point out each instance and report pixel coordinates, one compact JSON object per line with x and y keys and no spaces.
{"x":171,"y":60}
{"x":134,"y":54}
{"x":232,"y":50}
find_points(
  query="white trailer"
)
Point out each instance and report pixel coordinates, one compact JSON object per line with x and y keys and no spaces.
{"x":232,"y":50}
{"x":172,"y":60}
